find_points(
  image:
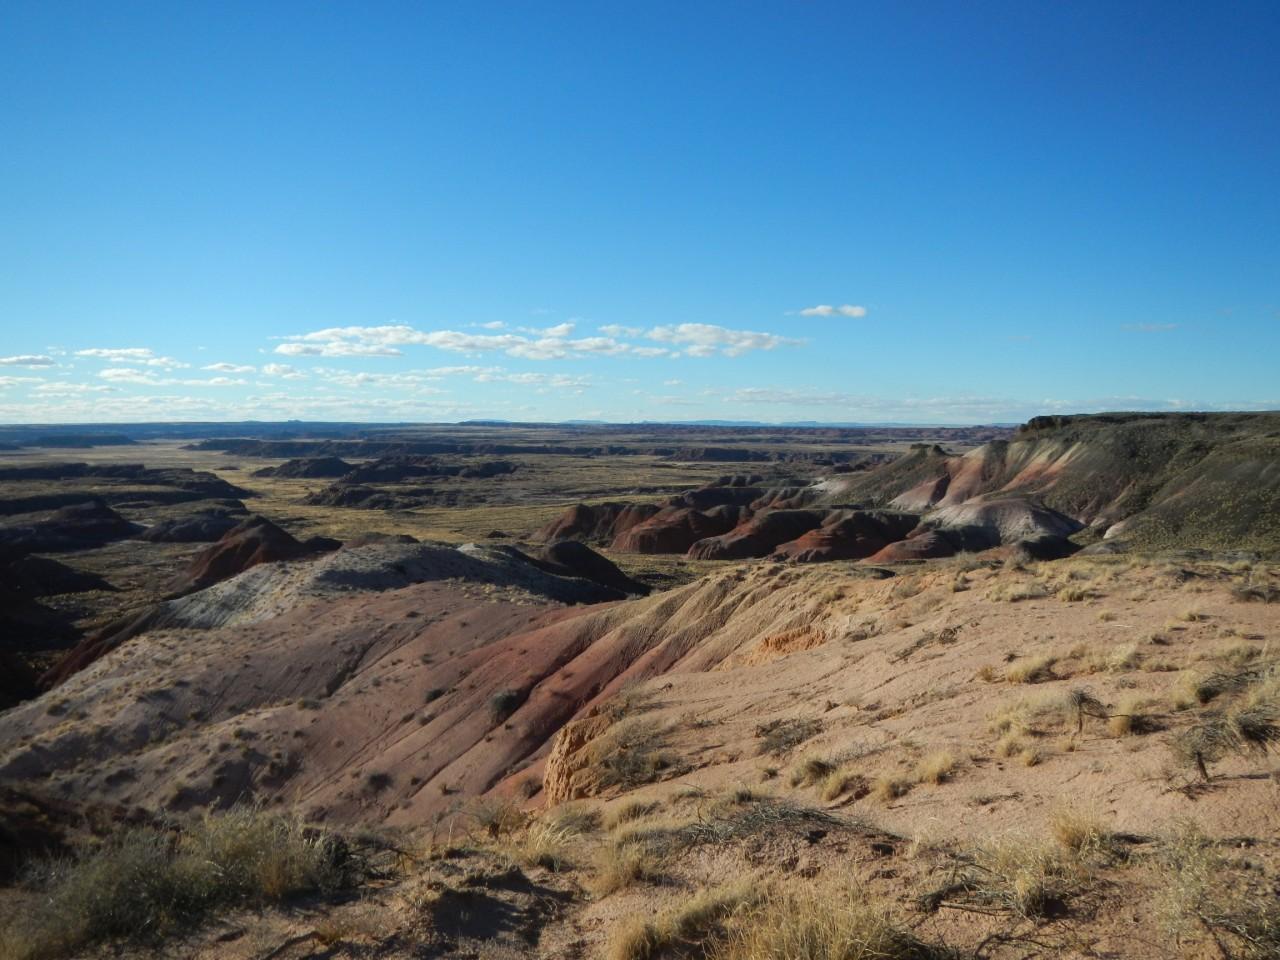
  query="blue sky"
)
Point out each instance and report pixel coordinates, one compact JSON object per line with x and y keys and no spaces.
{"x":431,"y":211}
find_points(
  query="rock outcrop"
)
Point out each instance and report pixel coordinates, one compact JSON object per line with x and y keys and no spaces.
{"x":758,"y":536}
{"x":572,"y":558}
{"x":249,"y":543}
{"x":671,"y":530}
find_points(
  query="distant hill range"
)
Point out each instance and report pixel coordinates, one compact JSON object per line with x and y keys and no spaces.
{"x":1162,"y":480}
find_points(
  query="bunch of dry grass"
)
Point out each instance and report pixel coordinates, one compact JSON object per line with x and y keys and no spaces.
{"x":619,"y":866}
{"x":148,"y":882}
{"x":1034,"y":670}
{"x":781,"y":736}
{"x":1200,"y":893}
{"x":689,"y":929}
{"x":811,"y":770}
{"x":1079,"y":831}
{"x":828,"y":921}
{"x":628,"y":811}
{"x":936,"y":768}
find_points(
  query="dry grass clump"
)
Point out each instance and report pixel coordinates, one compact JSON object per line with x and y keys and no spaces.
{"x":840,"y":782}
{"x":1130,"y":717}
{"x":936,"y":768}
{"x":1200,"y":894}
{"x":1031,"y":756}
{"x":1077,"y":830}
{"x":1073,"y":594}
{"x":574,"y":819}
{"x":148,"y":882}
{"x":1024,"y":877}
{"x":781,"y":736}
{"x":1035,"y":670}
{"x":1010,"y":745}
{"x":692,"y":927}
{"x":1018,"y":591}
{"x":729,"y":818}
{"x":1116,"y":660}
{"x":1028,"y":714}
{"x":811,"y":770}
{"x":827,"y":921}
{"x":888,"y":788}
{"x":619,"y":866}
{"x":629,"y":811}
{"x":542,"y":845}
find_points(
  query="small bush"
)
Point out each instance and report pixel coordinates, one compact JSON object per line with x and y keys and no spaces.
{"x":496,"y":816}
{"x":781,"y":736}
{"x":504,"y":703}
{"x":147,"y":882}
{"x":630,"y":754}
{"x":1256,"y":593}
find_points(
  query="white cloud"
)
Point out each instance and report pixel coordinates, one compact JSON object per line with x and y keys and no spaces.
{"x":143,"y":379}
{"x":27,"y":360}
{"x":64,"y":389}
{"x":283,"y":370}
{"x":143,"y":356}
{"x":491,"y":325}
{"x":673,"y":383}
{"x":557,"y":380}
{"x":551,"y":343}
{"x":6,"y":382}
{"x":230,"y":367}
{"x":335,"y":348}
{"x":440,"y":372}
{"x":614,"y":330}
{"x":705,"y":339}
{"x":827,"y":310}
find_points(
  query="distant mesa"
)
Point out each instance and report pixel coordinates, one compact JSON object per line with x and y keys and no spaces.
{"x":308,"y":468}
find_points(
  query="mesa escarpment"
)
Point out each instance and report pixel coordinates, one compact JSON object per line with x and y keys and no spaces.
{"x":1169,"y":480}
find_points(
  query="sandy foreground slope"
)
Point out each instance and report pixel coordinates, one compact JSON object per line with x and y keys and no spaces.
{"x":908,"y":719}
